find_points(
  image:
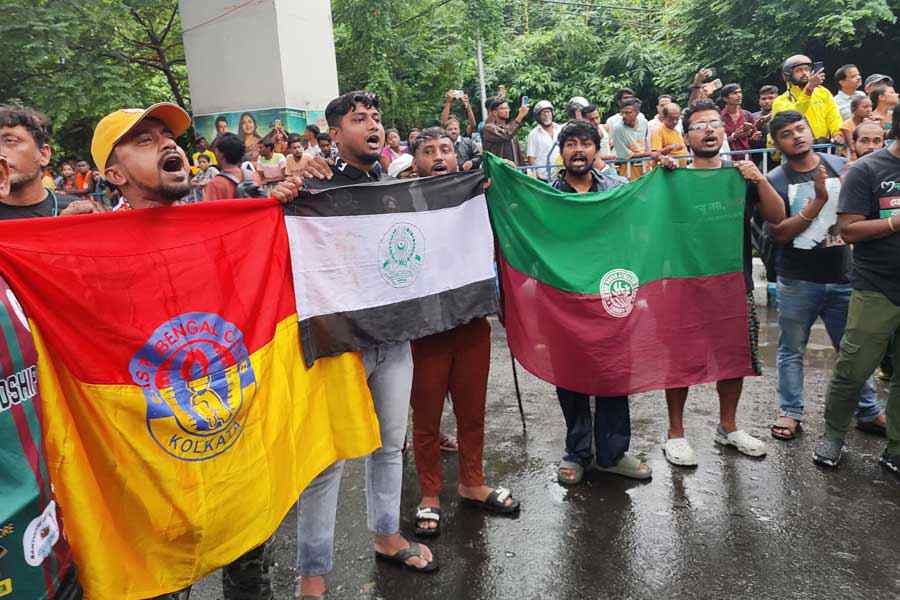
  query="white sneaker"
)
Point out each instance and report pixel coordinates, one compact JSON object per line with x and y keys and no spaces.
{"x":743,"y":441}
{"x":679,"y":452}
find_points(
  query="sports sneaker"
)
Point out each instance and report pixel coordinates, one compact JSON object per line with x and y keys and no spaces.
{"x":891,"y":463}
{"x":679,"y":452}
{"x":828,"y":452}
{"x":743,"y":441}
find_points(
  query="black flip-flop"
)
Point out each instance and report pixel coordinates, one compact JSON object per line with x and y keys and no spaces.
{"x":495,"y":502}
{"x":428,"y":513}
{"x":790,"y":434}
{"x":399,"y":559}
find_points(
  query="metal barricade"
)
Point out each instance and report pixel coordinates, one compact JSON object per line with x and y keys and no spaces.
{"x":765,"y":152}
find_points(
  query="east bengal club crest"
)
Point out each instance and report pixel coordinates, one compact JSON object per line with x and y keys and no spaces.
{"x":402,"y":252}
{"x":197,"y":379}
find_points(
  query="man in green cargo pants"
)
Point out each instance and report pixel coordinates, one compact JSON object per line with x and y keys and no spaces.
{"x":869,"y":218}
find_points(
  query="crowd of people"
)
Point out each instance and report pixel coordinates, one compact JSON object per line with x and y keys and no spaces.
{"x":848,"y":275}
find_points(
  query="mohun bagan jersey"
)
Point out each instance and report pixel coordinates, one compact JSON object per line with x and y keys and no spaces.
{"x":33,"y":554}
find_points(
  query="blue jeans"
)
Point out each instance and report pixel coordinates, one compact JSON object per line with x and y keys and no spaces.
{"x":610,"y":426}
{"x":389,"y":370}
{"x":800,"y":303}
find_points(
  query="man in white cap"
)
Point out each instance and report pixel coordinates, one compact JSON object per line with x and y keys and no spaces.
{"x":402,"y":167}
{"x":541,"y":146}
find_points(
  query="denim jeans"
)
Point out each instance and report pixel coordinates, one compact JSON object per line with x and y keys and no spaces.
{"x":610,"y":426}
{"x":389,"y":369}
{"x":800,"y":303}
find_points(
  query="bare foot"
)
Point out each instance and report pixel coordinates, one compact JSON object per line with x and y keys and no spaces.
{"x":394,"y":543}
{"x":310,"y":586}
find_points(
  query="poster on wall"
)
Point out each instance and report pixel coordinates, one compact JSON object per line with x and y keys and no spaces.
{"x":254,"y":125}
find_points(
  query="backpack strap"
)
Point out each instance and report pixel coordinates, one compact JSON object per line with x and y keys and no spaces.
{"x":837,"y":163}
{"x":229,"y":177}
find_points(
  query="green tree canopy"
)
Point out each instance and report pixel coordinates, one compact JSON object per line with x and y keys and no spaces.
{"x":78,"y":60}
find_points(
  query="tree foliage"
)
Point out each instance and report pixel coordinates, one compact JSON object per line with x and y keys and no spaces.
{"x":78,"y":60}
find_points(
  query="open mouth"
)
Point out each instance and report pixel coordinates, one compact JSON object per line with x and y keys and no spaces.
{"x":374,"y":141}
{"x":710,"y":140}
{"x":579,"y":160}
{"x":439,"y":168}
{"x":172,"y":163}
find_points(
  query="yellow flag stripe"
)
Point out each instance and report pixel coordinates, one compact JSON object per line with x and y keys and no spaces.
{"x":151,"y":506}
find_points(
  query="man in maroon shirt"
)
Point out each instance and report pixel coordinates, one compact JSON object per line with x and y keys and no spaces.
{"x":738,"y":122}
{"x":229,"y":152}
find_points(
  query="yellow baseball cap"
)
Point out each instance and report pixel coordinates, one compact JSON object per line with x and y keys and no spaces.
{"x":114,"y":126}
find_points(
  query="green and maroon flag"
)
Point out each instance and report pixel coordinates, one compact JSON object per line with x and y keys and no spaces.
{"x":634,"y":289}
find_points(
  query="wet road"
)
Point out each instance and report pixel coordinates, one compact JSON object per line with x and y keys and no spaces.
{"x":735,"y":527}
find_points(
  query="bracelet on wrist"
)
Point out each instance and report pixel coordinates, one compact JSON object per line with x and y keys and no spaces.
{"x":890,"y":221}
{"x":803,"y":216}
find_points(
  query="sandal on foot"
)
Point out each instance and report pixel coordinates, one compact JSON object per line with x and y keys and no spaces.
{"x":428,"y":513}
{"x":401,"y":556}
{"x":629,"y":466}
{"x":873,"y":427}
{"x":783,"y":430}
{"x":570,"y":479}
{"x":495,"y":502}
{"x":449,"y":443}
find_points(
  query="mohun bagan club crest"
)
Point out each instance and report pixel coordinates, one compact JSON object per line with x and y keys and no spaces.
{"x":196,"y":375}
{"x":618,"y":289}
{"x":401,"y":252}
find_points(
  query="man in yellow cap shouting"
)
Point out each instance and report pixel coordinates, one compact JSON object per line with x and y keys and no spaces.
{"x":135,"y":150}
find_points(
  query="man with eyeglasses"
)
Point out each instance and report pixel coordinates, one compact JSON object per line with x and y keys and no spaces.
{"x":806,"y":94}
{"x":705,"y":134}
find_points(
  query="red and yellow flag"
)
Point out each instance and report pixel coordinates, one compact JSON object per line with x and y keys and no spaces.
{"x":180,"y":422}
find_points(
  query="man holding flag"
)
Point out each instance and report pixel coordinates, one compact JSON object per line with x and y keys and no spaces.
{"x":355,"y":125}
{"x":580,"y":143}
{"x":456,"y":361}
{"x":136,"y":151}
{"x":705,"y":134}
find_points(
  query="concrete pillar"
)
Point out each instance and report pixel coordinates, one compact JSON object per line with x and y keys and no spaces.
{"x":254,"y":63}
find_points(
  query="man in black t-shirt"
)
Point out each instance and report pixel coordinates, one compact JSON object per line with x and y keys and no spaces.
{"x":813,"y":266}
{"x":869,"y":213}
{"x":355,"y":125}
{"x":24,"y":137}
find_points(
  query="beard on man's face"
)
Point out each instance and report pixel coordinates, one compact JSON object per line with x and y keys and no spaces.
{"x":578,"y":164}
{"x":168,"y":192}
{"x":705,"y":153}
{"x":19,"y":181}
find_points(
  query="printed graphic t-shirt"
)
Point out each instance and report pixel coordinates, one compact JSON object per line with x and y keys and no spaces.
{"x":33,"y":554}
{"x":872,"y":188}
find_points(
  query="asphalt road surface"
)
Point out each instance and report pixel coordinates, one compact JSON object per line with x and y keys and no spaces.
{"x":735,"y":527}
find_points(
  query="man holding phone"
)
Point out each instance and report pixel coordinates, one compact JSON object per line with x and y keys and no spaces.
{"x":499,"y":133}
{"x":806,"y":94}
{"x":739,"y":125}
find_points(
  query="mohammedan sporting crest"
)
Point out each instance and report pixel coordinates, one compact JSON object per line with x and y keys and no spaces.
{"x":197,"y":378}
{"x":618,"y":289}
{"x":401,"y":252}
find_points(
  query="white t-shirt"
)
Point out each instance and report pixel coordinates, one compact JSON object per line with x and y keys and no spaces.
{"x":538,"y":147}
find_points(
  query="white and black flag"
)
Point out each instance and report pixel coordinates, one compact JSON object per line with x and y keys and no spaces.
{"x":390,"y":261}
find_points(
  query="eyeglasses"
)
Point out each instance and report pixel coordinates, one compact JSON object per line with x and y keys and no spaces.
{"x":704,"y":125}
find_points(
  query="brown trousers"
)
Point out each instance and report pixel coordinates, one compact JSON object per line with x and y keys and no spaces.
{"x":457,"y":361}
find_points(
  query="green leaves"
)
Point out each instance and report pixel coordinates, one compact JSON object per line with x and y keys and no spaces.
{"x":77,"y":61}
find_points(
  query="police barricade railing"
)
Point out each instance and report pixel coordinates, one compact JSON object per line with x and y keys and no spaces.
{"x":634,"y":163}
